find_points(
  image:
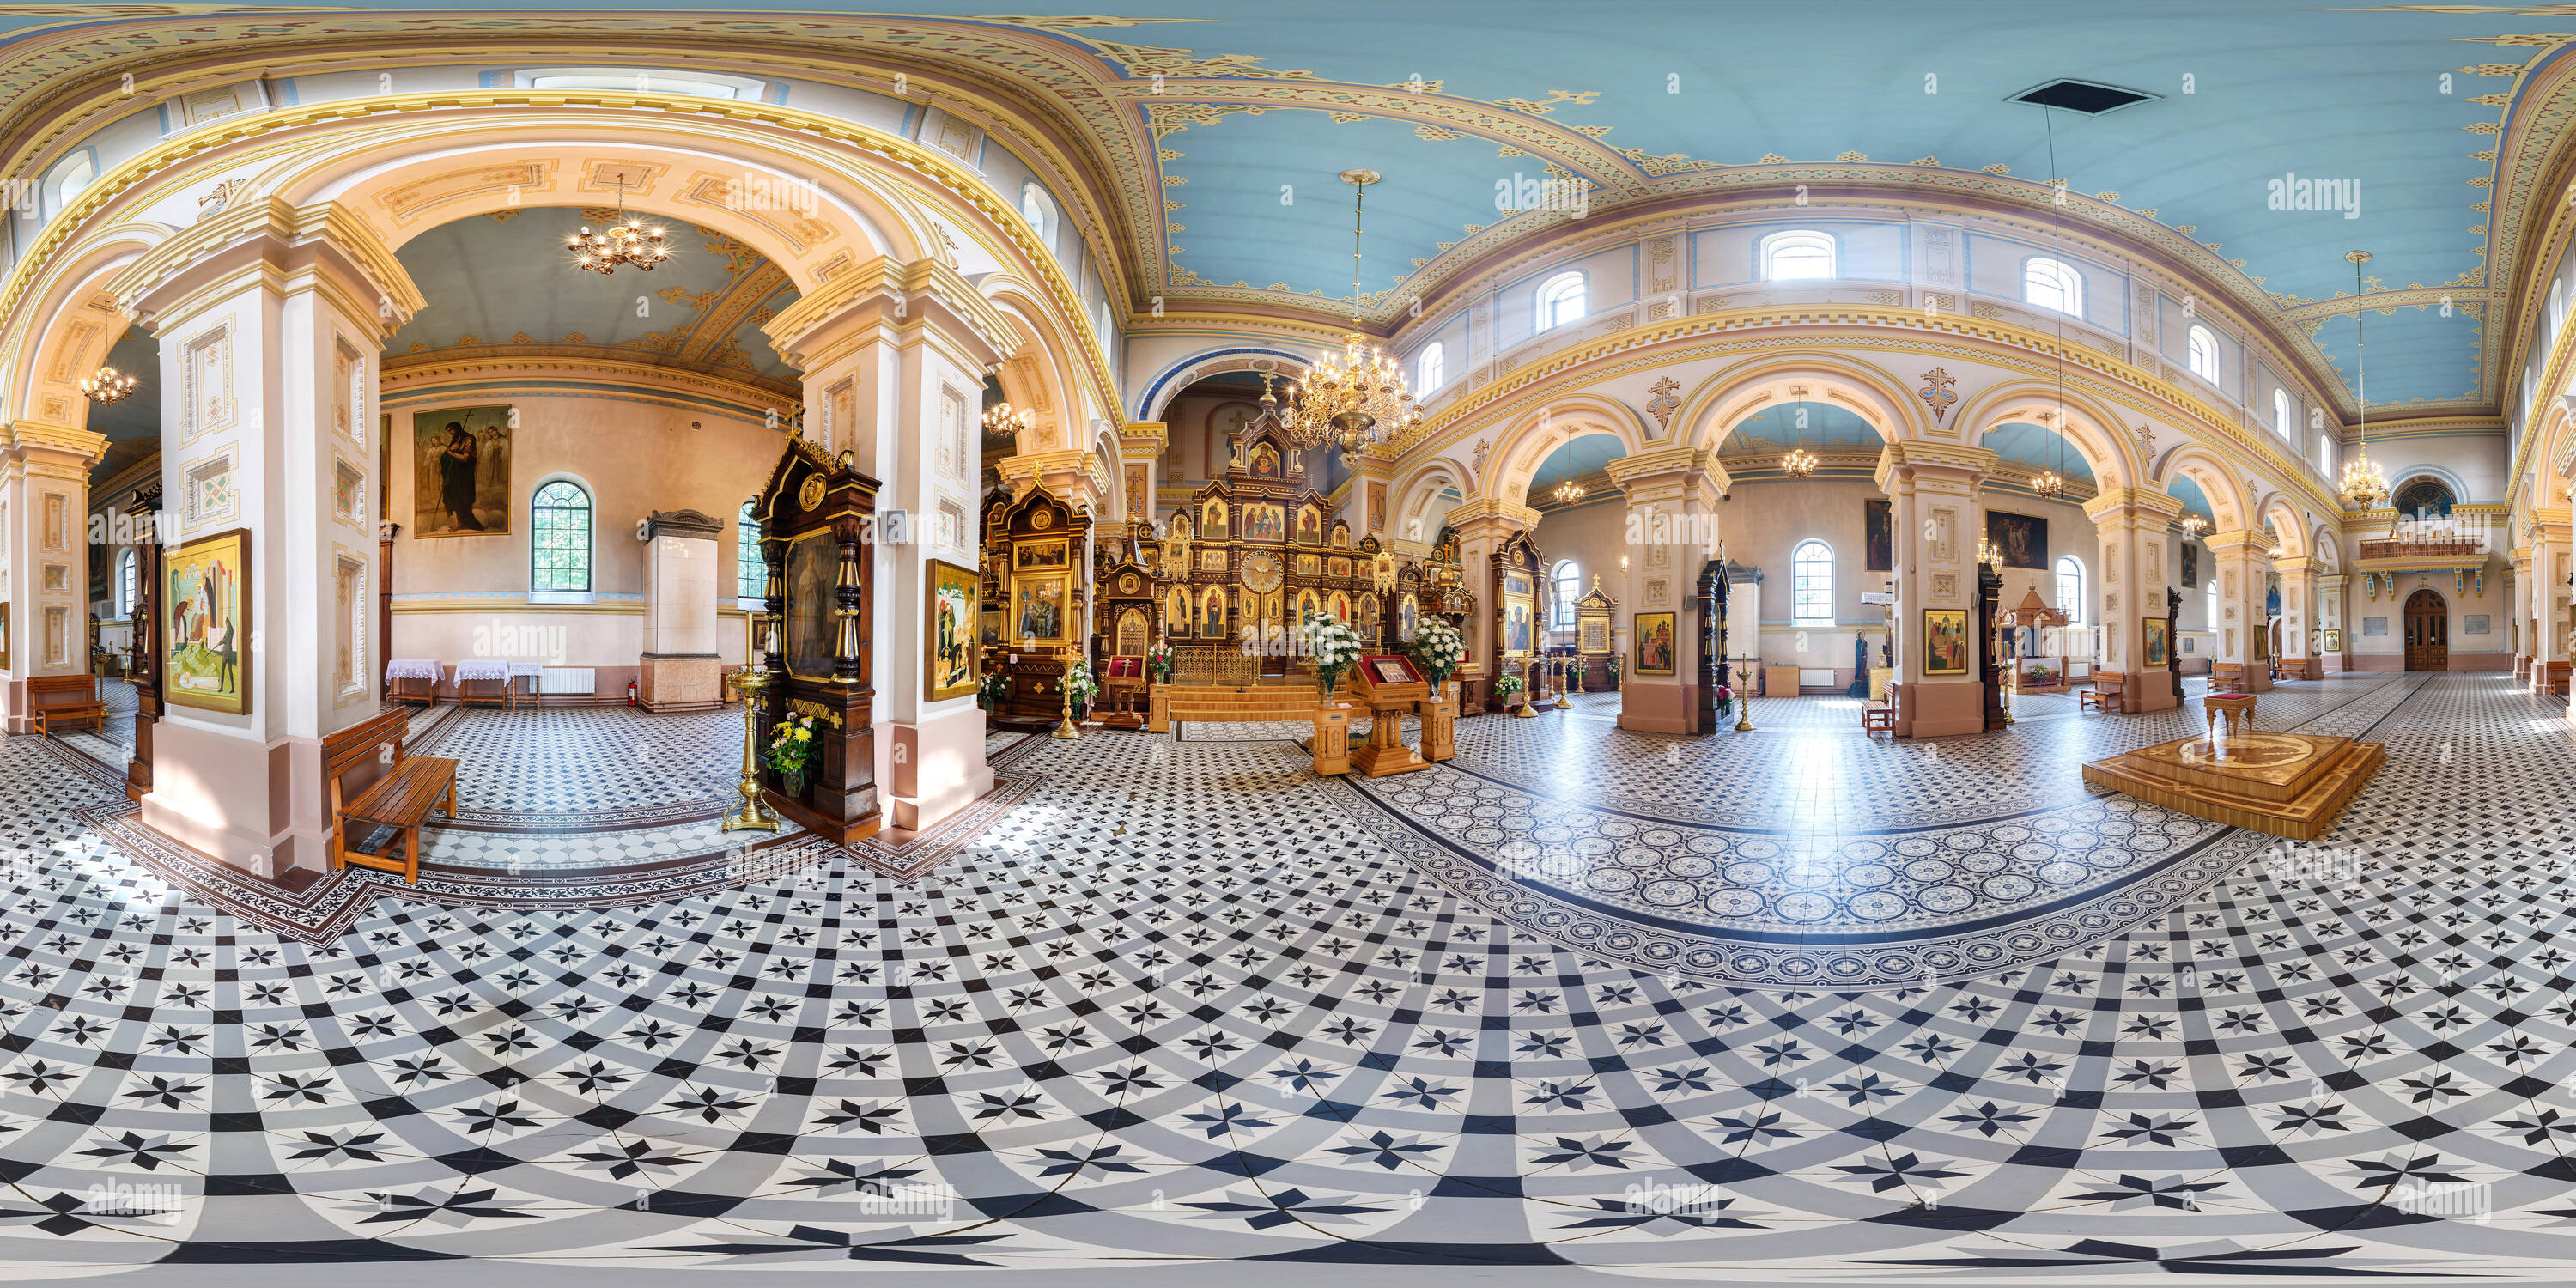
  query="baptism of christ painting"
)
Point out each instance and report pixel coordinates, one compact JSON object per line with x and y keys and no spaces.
{"x":461,"y":472}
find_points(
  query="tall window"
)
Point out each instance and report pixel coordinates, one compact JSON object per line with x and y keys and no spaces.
{"x":2202,"y":354}
{"x":2070,"y":590}
{"x":2282,"y":418}
{"x":1569,"y":587}
{"x":68,"y":178}
{"x":1561,"y":300}
{"x":750,"y":575}
{"x":2210,"y":595}
{"x":1792,"y":255}
{"x":1811,"y":582}
{"x":2053,"y":284}
{"x":2325,"y":453}
{"x":129,"y":583}
{"x":559,"y":559}
{"x":1427,"y":370}
{"x":1033,"y":207}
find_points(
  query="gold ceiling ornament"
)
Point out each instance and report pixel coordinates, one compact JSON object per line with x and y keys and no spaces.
{"x":2364,"y":485}
{"x":107,"y":384}
{"x":1567,"y":492}
{"x":1357,"y":399}
{"x":627,"y":241}
{"x":1799,"y":463}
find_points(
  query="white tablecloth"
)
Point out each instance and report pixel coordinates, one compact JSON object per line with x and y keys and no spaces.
{"x":482,"y":669}
{"x":534,"y":670}
{"x":413,"y":669}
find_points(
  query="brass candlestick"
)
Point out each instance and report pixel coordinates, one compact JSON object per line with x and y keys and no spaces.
{"x":1744,"y":712}
{"x":753,"y":816}
{"x":1563,"y":703}
{"x":1065,"y":727}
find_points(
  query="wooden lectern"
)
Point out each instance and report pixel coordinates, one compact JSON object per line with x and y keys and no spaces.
{"x":1388,"y":685}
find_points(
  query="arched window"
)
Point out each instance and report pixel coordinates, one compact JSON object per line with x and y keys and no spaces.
{"x":559,"y":556}
{"x":2282,"y":416}
{"x":2202,"y":354}
{"x":2052,"y":284}
{"x":1561,"y":300}
{"x":1034,"y":207}
{"x":2557,"y":303}
{"x":129,"y":583}
{"x":2325,"y":453}
{"x":1811,"y":582}
{"x":1569,"y":587}
{"x":1427,"y":370}
{"x":2070,"y":590}
{"x":2210,"y":595}
{"x":750,"y":575}
{"x":1792,"y":255}
{"x":67,"y":178}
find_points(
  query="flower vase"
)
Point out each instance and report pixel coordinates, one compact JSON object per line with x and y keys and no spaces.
{"x":791,"y":783}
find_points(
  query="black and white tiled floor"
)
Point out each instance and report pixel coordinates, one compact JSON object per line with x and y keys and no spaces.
{"x":1188,"y":1005}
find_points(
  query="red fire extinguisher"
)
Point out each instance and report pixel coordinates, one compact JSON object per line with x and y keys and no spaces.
{"x":630,"y":693}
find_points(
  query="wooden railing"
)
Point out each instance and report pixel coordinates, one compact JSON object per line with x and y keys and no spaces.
{"x":2428,"y":547}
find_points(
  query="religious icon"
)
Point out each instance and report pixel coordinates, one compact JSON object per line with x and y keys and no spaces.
{"x":1408,"y":618}
{"x":2021,"y":540}
{"x":2190,"y":564}
{"x":1392,"y":671}
{"x":1176,"y":612}
{"x":1212,"y":614}
{"x":2334,"y":641}
{"x":1339,"y":606}
{"x":1878,"y":536}
{"x":1029,"y":555}
{"x":206,"y":619}
{"x":2159,"y":641}
{"x":948,"y":658}
{"x":1520,"y":618}
{"x":461,"y":472}
{"x":1213,"y":524}
{"x":1265,"y":462}
{"x":1945,"y":641}
{"x":1038,"y":607}
{"x":811,"y":580}
{"x":1655,"y":652}
{"x":1310,"y":525}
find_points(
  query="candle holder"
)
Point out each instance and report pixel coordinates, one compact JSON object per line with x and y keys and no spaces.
{"x":1065,"y":728}
{"x":1563,"y":703}
{"x":753,"y":816}
{"x":1744,"y":710}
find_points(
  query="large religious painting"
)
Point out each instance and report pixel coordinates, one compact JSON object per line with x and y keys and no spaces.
{"x":1176,"y":612}
{"x":2190,"y":564}
{"x":2021,"y":540}
{"x":948,"y":645}
{"x":1369,"y":617}
{"x":1039,"y":611}
{"x":812,"y":576}
{"x":1655,"y":649}
{"x":1309,"y":606}
{"x":1265,"y":522}
{"x":1212,"y":521}
{"x":1877,"y":533}
{"x":1945,"y":641}
{"x":1038,"y":556}
{"x":2159,"y":641}
{"x":1339,"y":606}
{"x":460,"y":472}
{"x":205,"y":617}
{"x":1408,"y":616}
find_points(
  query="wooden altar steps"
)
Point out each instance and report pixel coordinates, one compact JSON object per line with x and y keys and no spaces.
{"x":2286,"y":784}
{"x":1282,"y":701}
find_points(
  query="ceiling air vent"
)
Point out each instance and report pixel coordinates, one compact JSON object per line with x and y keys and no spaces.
{"x":2089,"y":97}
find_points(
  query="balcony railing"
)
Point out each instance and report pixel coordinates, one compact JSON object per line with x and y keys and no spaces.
{"x":2425,"y":547}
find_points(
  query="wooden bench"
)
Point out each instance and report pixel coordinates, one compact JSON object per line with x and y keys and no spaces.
{"x":2106,"y":693}
{"x":54,"y":701}
{"x":394,"y":790}
{"x":1878,"y":717}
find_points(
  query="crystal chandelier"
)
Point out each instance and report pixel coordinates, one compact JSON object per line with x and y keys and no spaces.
{"x":2048,"y":483}
{"x":2364,"y":487}
{"x":1799,"y":463}
{"x":627,"y":241}
{"x":2193,"y":525}
{"x":1567,"y":492}
{"x":107,"y":384}
{"x":1001,"y":419}
{"x":1358,"y":399}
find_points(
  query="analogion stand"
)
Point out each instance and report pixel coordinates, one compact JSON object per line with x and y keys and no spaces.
{"x":1389,"y":686}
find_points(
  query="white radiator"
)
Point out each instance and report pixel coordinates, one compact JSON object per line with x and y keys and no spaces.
{"x":561,"y":680}
{"x":1810,"y":677}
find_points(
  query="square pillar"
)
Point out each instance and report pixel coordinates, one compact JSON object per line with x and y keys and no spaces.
{"x":2242,"y":557}
{"x":681,"y":667}
{"x":2299,"y":625}
{"x":1671,"y":529}
{"x":2331,"y":590}
{"x":44,"y":545}
{"x":1936,"y":522}
{"x":2132,"y":525}
{"x":1483,"y":525}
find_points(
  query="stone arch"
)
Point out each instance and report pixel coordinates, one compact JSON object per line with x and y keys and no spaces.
{"x":1417,"y":489}
{"x":2325,"y":544}
{"x":2398,"y":479}
{"x":1519,"y":446}
{"x":2204,"y":468}
{"x":1168,"y":383}
{"x":2287,"y":527}
{"x":1038,"y":374}
{"x":1719,"y":405}
{"x":58,"y":337}
{"x":2109,"y":451}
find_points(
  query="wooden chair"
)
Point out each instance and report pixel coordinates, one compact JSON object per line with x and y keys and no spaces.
{"x":1878,"y":717}
{"x":55,"y":701}
{"x":394,"y":790}
{"x":2106,"y":693}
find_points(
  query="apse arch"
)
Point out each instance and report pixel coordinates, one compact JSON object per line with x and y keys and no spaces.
{"x":1215,"y":360}
{"x":60,"y":337}
{"x":1521,"y":445}
{"x":1714,"y":410}
{"x":1415,"y":493}
{"x":2414,"y":475}
{"x":2230,"y":509}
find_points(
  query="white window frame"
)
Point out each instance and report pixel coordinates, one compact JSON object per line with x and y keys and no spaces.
{"x":1794,"y":245}
{"x":1552,"y":291}
{"x":749,"y":603}
{"x":2200,"y":352}
{"x":589,"y":493}
{"x":1430,"y":367}
{"x":2285,"y":418}
{"x":2070,"y":589}
{"x":657,"y":80}
{"x":1799,"y":562}
{"x":2209,"y":596}
{"x":1038,"y":210}
{"x":1561,"y":614}
{"x":2059,"y":277}
{"x":2325,"y":453}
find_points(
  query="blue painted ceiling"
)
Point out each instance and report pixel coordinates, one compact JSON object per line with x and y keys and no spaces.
{"x":1776,"y":429}
{"x":1578,"y":458}
{"x":2194,"y":501}
{"x":1266,"y":103}
{"x":2038,"y":447}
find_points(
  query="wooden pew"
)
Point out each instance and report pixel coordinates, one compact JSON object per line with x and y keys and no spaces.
{"x":54,"y":701}
{"x":392,"y":789}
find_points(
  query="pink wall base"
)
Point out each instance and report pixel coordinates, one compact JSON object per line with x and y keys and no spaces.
{"x":1657,"y":708}
{"x":934,"y":768}
{"x":1941,"y":710}
{"x":258,"y":808}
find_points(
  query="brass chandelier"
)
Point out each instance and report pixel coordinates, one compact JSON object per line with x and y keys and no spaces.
{"x":627,"y":241}
{"x":1799,"y":463}
{"x":2193,"y":525}
{"x":2364,"y":486}
{"x":107,"y":384}
{"x":1567,"y":492}
{"x":1357,"y":399}
{"x":1001,"y":419}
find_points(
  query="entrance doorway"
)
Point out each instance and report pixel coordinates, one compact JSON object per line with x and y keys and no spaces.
{"x":2428,"y":632}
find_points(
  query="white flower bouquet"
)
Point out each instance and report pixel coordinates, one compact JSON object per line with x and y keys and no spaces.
{"x":1438,"y":647}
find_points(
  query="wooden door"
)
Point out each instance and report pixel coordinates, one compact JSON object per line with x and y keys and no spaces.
{"x":2428,"y":632}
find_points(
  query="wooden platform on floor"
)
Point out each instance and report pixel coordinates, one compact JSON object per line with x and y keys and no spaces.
{"x":2281,"y":784}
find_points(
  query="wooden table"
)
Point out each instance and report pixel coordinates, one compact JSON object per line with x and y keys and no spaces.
{"x":2233,"y":706}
